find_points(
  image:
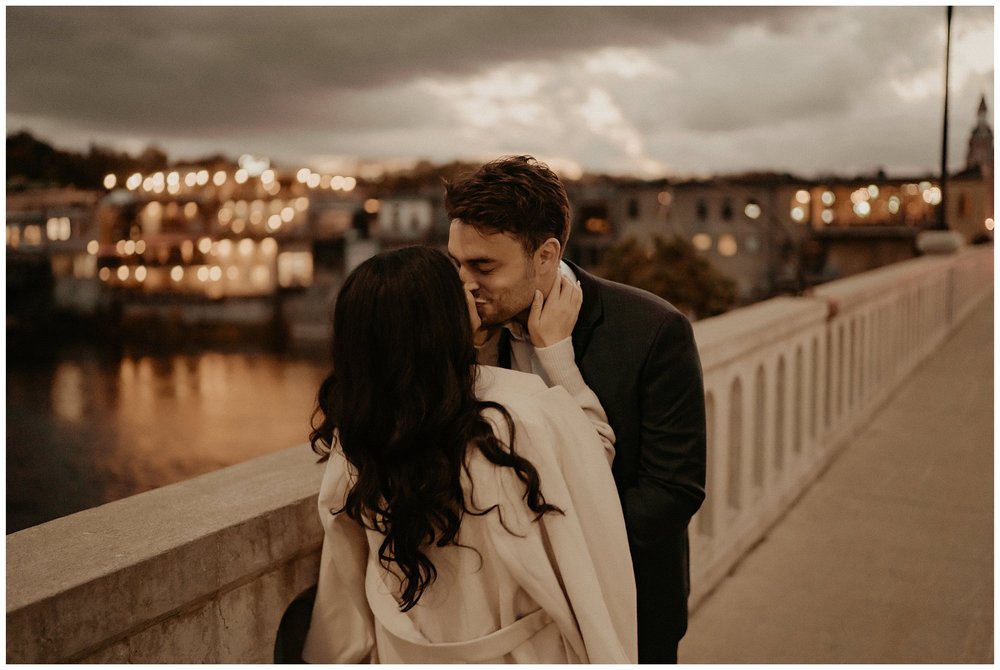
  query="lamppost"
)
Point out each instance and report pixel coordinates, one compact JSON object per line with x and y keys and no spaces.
{"x":942,"y":223}
{"x":938,"y":238}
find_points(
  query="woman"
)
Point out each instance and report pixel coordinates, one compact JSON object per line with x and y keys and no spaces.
{"x":469,"y":512}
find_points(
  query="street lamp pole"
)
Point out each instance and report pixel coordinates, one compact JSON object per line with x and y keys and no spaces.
{"x":942,"y":223}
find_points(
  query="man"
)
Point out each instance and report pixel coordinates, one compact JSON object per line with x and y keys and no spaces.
{"x":636,"y":352}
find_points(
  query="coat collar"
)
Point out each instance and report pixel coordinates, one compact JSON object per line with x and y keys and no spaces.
{"x":591,"y":311}
{"x":591,"y":314}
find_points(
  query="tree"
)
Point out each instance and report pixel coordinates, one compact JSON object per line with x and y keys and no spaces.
{"x":673,"y":270}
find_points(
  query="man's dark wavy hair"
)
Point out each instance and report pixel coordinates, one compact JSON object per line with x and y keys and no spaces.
{"x":513,"y":194}
{"x":401,"y":404}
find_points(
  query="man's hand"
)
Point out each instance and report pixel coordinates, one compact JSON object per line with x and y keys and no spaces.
{"x":480,"y":335}
{"x":551,"y":320}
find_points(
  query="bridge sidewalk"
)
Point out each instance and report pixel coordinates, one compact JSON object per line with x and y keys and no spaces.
{"x":888,"y":557}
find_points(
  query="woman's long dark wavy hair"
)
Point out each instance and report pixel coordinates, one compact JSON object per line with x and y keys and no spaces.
{"x":401,"y":400}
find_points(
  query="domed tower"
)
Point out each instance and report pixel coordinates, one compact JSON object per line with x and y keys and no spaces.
{"x":980,"y":155}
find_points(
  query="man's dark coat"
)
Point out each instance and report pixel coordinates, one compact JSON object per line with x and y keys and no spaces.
{"x":637,"y":353}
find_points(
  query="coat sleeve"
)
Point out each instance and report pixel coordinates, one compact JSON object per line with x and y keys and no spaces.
{"x":671,"y":480}
{"x":558,"y":362}
{"x":342,"y":627}
{"x":577,"y":561}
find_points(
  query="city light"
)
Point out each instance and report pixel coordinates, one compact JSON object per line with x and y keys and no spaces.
{"x":802,"y":196}
{"x":273,"y":223}
{"x":225,"y":248}
{"x":238,"y":226}
{"x":302,"y":175}
{"x":134,"y":182}
{"x":122,"y":272}
{"x":371,"y":205}
{"x":120,"y":247}
{"x":191,"y":179}
{"x":93,"y":247}
{"x":190,"y":209}
{"x":350,"y":183}
{"x":313,"y":181}
{"x":267,"y":177}
{"x":989,"y":224}
{"x":302,"y":204}
{"x":752,"y":210}
{"x":828,"y":198}
{"x":215,"y":274}
{"x":245,"y":247}
{"x":104,"y":274}
{"x":140,"y":246}
{"x":827,"y":216}
{"x":337,"y":183}
{"x":140,"y":274}
{"x":202,"y":274}
{"x":268,"y":246}
{"x":177,"y":273}
{"x":241,"y":176}
{"x":287,"y":214}
{"x":109,"y":181}
{"x":202,"y":177}
{"x":873,"y":190}
{"x":798,"y":214}
{"x":665,"y":198}
{"x":129,"y":247}
{"x":219,"y":178}
{"x":862,"y":208}
{"x":893,"y":204}
{"x":204,"y":245}
{"x":701,"y":241}
{"x":173,"y":179}
{"x":727,"y":245}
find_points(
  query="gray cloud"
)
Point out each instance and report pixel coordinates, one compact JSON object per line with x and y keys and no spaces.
{"x":715,"y":86}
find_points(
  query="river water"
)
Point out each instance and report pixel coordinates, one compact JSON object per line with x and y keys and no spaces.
{"x":87,"y":425}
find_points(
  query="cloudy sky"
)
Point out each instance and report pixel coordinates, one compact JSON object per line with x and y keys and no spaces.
{"x":645,"y":90}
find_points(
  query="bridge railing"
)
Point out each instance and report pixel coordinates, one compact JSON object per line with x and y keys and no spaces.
{"x":789,"y":381}
{"x":204,"y":570}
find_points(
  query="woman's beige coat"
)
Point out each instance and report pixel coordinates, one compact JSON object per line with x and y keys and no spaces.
{"x":559,"y":589}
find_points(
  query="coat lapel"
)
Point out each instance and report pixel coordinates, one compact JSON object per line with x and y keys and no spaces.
{"x":591,"y":311}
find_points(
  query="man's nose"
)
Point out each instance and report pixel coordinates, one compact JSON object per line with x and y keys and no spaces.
{"x":467,"y":279}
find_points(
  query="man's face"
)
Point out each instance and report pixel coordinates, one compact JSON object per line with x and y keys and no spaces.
{"x":496,"y":269}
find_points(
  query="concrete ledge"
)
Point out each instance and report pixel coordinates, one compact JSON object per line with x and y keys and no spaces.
{"x":81,"y":583}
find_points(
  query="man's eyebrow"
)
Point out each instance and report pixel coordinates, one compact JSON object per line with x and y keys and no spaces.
{"x":481,"y":260}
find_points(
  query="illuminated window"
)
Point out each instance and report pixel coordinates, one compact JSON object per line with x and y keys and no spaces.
{"x":597,"y":225}
{"x":727,"y":245}
{"x":295,"y":268}
{"x":702,"y":241}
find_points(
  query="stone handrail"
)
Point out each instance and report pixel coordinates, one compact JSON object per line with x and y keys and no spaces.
{"x":790,"y":380}
{"x":205,"y":569}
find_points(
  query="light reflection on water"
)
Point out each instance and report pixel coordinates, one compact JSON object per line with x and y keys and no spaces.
{"x":90,"y":427}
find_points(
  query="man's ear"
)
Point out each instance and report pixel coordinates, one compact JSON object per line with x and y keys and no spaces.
{"x":548,"y":254}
